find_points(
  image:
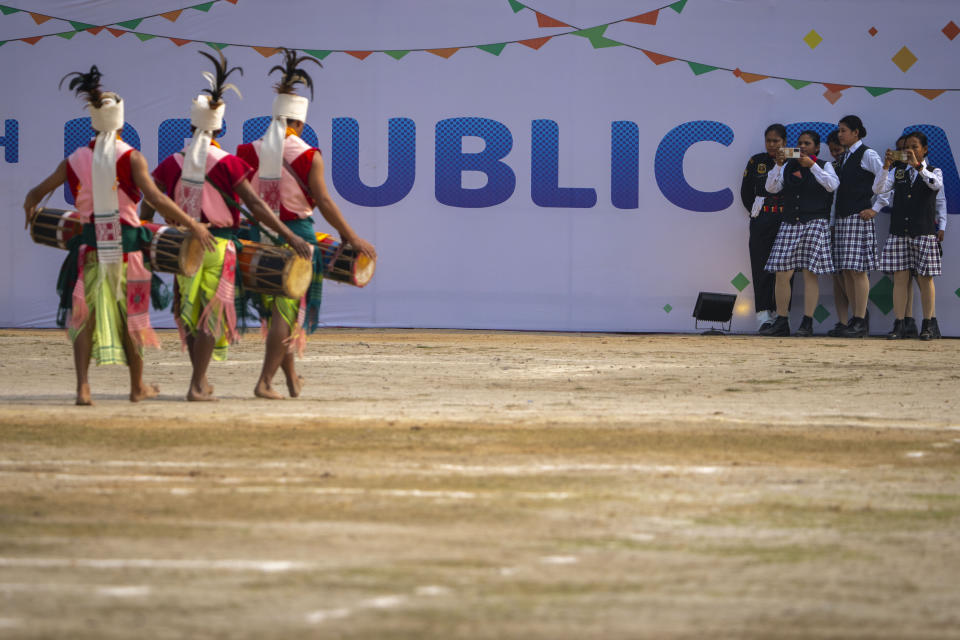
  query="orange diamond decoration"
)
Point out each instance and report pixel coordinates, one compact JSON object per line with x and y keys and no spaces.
{"x":873,"y":31}
{"x":904,"y":59}
{"x":951,"y":30}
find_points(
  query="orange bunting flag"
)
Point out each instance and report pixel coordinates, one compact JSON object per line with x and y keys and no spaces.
{"x":930,"y":94}
{"x":359,"y":55}
{"x":836,"y":88}
{"x":39,"y":18}
{"x":232,"y":1}
{"x":444,"y":53}
{"x":832,"y":96}
{"x":116,"y":32}
{"x":535,"y":43}
{"x":31,"y":39}
{"x":646,"y":18}
{"x":749,"y":77}
{"x":657,"y":58}
{"x":180,"y":41}
{"x":172,"y":15}
{"x":95,"y":30}
{"x":266,"y":52}
{"x":547,"y":21}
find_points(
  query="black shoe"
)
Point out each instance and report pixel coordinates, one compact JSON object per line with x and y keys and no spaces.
{"x":866,"y":323}
{"x":837,"y":331}
{"x":910,"y":328}
{"x":806,"y":328}
{"x":897,"y":332}
{"x":764,"y":327}
{"x":934,"y":328}
{"x":779,"y":328}
{"x":856,"y":329}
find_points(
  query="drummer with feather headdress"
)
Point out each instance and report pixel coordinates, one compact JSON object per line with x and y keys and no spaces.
{"x":104,"y":284}
{"x":209,"y":184}
{"x":289,"y":177}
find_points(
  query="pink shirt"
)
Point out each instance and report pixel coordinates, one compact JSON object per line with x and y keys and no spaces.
{"x":224,"y":170}
{"x":295,"y":201}
{"x":80,"y":182}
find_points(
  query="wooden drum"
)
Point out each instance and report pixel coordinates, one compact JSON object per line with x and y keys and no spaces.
{"x":273,"y":270}
{"x":173,"y":251}
{"x":343,"y":263}
{"x":55,"y":227}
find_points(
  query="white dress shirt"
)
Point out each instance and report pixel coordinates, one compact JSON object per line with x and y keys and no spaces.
{"x":933,"y":180}
{"x":826,"y":176}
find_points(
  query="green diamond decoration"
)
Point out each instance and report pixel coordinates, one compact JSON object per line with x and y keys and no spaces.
{"x":881,"y":294}
{"x":668,"y":308}
{"x":740,"y":281}
{"x":820,"y":313}
{"x":957,"y":292}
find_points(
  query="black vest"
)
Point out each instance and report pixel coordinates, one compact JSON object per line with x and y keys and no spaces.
{"x":804,"y":199}
{"x":914,"y":205}
{"x":856,"y":185}
{"x":755,"y":180}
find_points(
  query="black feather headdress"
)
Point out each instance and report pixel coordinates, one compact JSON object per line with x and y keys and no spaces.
{"x":292,"y":73}
{"x":86,"y":84}
{"x":218,"y":82}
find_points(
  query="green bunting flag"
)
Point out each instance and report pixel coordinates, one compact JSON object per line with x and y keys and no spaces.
{"x":145,"y":36}
{"x":131,"y":24}
{"x":396,"y":55}
{"x":66,"y":35}
{"x":595,"y":36}
{"x":877,"y":91}
{"x":516,"y":6}
{"x":8,"y":10}
{"x":495,"y":49}
{"x":203,"y":7}
{"x":81,"y":26}
{"x":217,"y":45}
{"x":700,"y":69}
{"x":796,"y":84}
{"x":678,"y":6}
{"x":319,"y":54}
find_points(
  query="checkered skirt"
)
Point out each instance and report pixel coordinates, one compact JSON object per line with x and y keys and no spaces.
{"x":802,"y":246}
{"x":920,"y":254}
{"x":855,"y":244}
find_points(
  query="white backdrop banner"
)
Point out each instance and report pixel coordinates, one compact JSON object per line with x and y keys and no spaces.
{"x":557,"y":165}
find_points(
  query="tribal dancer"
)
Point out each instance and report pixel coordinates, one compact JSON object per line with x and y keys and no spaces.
{"x":208,"y":182}
{"x":290,"y":179}
{"x":106,"y":290}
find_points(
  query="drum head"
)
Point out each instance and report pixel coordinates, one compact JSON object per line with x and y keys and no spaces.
{"x":297,"y":275}
{"x":363,"y":269}
{"x":191,"y":257}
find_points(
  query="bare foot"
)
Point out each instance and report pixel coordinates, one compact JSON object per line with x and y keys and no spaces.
{"x":207,"y":387}
{"x":144,"y":392}
{"x":83,"y":396}
{"x":263,"y":390}
{"x":200,"y":395}
{"x":294,"y":386}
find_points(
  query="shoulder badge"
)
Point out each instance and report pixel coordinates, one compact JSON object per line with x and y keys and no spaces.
{"x":900,"y":174}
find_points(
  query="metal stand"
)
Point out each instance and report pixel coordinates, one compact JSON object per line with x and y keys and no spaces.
{"x":713,"y":331}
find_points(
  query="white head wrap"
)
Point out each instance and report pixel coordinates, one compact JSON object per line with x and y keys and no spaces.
{"x":106,"y":121}
{"x":206,"y":121}
{"x":285,"y":106}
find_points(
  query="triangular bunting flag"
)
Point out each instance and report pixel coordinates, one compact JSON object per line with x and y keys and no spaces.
{"x":217,"y":45}
{"x":5,"y":10}
{"x":516,"y":6}
{"x":595,"y":35}
{"x":679,"y":5}
{"x":546,"y":21}
{"x":203,"y":7}
{"x":751,"y":77}
{"x":95,"y":30}
{"x":646,"y":18}
{"x":80,"y":26}
{"x":444,"y":53}
{"x":39,"y":18}
{"x":930,"y":94}
{"x":66,"y":35}
{"x":495,"y":49}
{"x":700,"y":69}
{"x":796,"y":84}
{"x":836,"y":87}
{"x":2,"y":42}
{"x":535,"y":43}
{"x":31,"y":40}
{"x":232,"y":1}
{"x":317,"y":53}
{"x":396,"y":55}
{"x":359,"y":55}
{"x":145,"y":36}
{"x":116,"y":32}
{"x":180,"y":41}
{"x":877,"y":91}
{"x":172,"y":15}
{"x":266,"y":52}
{"x":657,"y":58}
{"x":832,"y":96}
{"x":131,"y":24}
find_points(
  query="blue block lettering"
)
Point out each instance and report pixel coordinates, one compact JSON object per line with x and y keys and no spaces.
{"x":545,"y":186}
{"x":624,"y":164}
{"x":401,"y":163}
{"x":451,"y":162}
{"x":668,"y":165}
{"x":10,"y":141}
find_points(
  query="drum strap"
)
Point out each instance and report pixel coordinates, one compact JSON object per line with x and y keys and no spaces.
{"x":270,"y":233}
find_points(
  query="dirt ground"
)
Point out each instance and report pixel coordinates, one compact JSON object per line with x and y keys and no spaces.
{"x":450,"y":484}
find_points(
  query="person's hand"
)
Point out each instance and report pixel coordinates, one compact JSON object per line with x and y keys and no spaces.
{"x":805,"y":161}
{"x":364,"y":247}
{"x":30,"y":209}
{"x":940,"y":235}
{"x":867,"y":214}
{"x":300,"y":246}
{"x":201,"y":233}
{"x":889,"y":158}
{"x":780,"y":157}
{"x":911,"y":158}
